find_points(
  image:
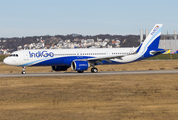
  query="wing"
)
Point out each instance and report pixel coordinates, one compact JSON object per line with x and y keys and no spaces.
{"x":100,"y":59}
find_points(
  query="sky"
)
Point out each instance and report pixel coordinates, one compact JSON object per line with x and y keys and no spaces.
{"x":22,"y":18}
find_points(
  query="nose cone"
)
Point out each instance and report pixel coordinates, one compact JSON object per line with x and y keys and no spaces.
{"x":6,"y":61}
{"x":9,"y":61}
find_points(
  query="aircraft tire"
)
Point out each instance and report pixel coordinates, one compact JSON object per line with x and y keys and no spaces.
{"x":94,"y":70}
{"x":23,"y":72}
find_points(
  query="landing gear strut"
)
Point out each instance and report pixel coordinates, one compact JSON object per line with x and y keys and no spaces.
{"x":23,"y":71}
{"x":94,"y":70}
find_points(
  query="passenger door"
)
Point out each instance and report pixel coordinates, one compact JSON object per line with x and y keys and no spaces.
{"x":26,"y":55}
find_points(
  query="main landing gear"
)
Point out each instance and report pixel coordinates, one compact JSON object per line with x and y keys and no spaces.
{"x":94,"y":70}
{"x":23,"y":71}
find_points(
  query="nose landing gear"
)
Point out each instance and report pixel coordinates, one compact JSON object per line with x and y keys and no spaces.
{"x":23,"y":71}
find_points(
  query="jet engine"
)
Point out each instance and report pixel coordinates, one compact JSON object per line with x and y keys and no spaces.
{"x":80,"y":65}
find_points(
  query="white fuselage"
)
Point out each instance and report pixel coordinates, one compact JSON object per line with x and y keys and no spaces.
{"x":60,"y":56}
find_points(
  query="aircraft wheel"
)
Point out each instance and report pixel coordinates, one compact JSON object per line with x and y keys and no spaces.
{"x":94,"y":70}
{"x":23,"y":72}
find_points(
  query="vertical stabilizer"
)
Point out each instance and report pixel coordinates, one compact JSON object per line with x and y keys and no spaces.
{"x":152,"y":41}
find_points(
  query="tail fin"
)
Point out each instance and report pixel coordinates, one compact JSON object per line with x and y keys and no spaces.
{"x":149,"y":47}
{"x":152,"y":41}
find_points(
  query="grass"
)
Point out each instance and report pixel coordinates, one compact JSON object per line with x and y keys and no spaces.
{"x":140,"y":65}
{"x":2,"y":58}
{"x":164,"y":57}
{"x":116,"y":97}
{"x":113,"y":97}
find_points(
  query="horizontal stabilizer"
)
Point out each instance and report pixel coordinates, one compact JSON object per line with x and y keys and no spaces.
{"x":153,"y":52}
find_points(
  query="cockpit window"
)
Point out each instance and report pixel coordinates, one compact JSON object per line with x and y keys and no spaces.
{"x":13,"y":55}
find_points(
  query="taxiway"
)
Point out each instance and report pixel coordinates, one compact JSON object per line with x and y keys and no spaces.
{"x":88,"y":73}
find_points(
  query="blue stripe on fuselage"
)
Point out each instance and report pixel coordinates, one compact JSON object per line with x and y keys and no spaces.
{"x":60,"y":61}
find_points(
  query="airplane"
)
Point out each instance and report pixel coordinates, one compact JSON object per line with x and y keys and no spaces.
{"x":82,"y":59}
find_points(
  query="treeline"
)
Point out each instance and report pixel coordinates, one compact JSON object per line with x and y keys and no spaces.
{"x":13,"y":43}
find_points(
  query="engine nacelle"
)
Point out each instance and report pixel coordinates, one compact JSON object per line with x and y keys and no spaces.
{"x":59,"y":68}
{"x":80,"y":65}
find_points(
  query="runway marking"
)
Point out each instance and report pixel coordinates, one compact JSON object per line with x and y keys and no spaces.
{"x":4,"y":75}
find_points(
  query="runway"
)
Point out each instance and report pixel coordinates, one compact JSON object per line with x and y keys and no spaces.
{"x":88,"y":73}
